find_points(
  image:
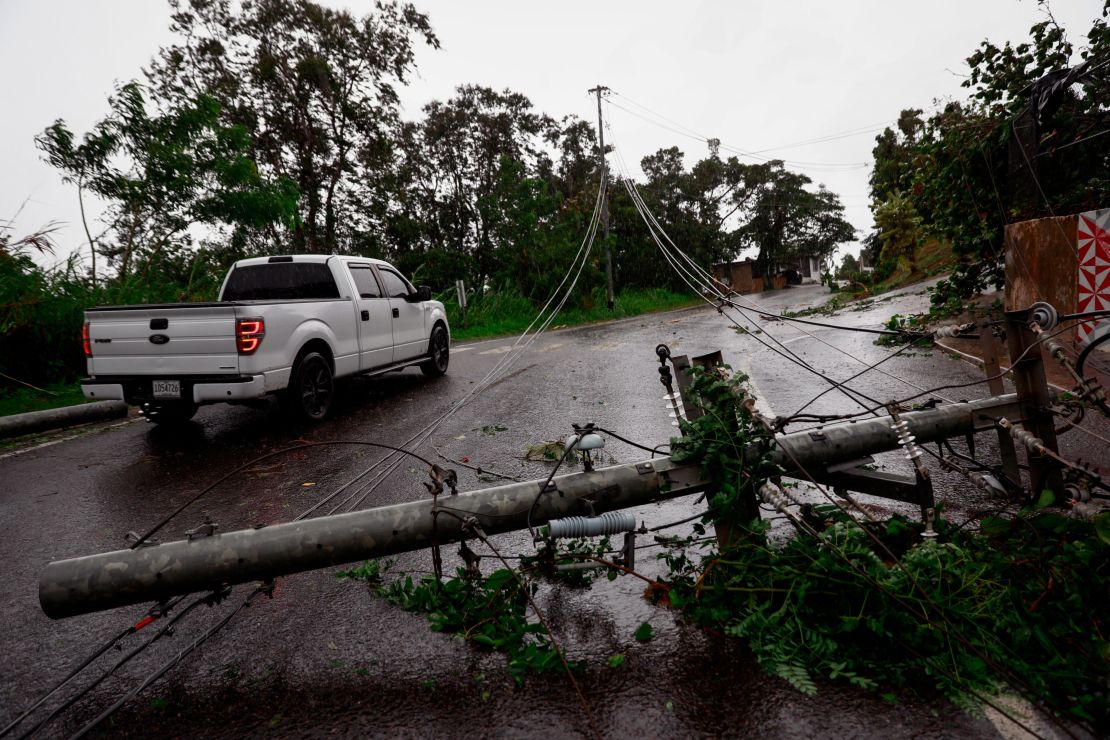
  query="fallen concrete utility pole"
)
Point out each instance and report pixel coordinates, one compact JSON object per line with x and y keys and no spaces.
{"x":98,"y":582}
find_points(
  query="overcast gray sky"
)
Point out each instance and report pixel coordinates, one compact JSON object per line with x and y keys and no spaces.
{"x":758,"y":76}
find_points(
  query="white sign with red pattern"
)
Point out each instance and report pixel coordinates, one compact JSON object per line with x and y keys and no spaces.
{"x":1093,"y":239}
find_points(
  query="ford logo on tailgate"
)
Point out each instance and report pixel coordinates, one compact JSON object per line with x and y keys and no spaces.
{"x":159,"y":339}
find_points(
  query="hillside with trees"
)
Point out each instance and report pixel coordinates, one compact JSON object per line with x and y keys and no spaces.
{"x":1029,"y":141}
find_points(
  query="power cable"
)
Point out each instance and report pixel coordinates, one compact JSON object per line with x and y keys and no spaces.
{"x":814,"y":166}
{"x":166,"y":629}
{"x":152,"y":615}
{"x":937,"y":389}
{"x":181,"y":655}
{"x":637,"y":445}
{"x":1081,"y":362}
{"x":69,"y":677}
{"x":687,"y":277}
{"x":1056,"y":149}
{"x":867,"y":369}
{"x":682,"y":130}
{"x":518,"y":348}
{"x":708,"y":284}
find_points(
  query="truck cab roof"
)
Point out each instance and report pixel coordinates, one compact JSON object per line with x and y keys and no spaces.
{"x":317,"y":258}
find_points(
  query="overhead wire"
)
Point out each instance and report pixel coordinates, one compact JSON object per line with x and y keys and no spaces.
{"x":947,"y":386}
{"x":690,"y":282}
{"x":522,"y":343}
{"x":708,"y":285}
{"x":863,"y":129}
{"x":867,"y":369}
{"x":166,"y":629}
{"x":682,"y":130}
{"x":814,"y":166}
{"x":152,"y":615}
{"x":543,"y":488}
{"x":145,"y":537}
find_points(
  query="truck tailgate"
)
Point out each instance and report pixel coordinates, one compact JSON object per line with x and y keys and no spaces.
{"x":169,"y":340}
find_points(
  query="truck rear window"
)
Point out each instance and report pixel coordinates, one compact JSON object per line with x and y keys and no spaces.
{"x":281,"y":281}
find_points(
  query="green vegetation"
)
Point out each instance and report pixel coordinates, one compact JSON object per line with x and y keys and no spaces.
{"x":488,"y":612}
{"x":20,"y":400}
{"x":959,"y":176}
{"x":500,"y":313}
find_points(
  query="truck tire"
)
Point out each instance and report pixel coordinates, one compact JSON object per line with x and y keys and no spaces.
{"x":311,"y":388}
{"x":169,"y":413}
{"x":439,"y":353}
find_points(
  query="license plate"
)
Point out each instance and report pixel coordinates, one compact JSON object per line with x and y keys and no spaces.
{"x":166,"y":388}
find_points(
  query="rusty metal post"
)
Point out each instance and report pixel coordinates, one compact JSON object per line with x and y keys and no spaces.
{"x":1027,"y":366}
{"x":991,"y":348}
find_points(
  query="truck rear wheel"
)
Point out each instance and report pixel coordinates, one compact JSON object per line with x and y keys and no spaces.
{"x":311,"y":388}
{"x":169,"y":413}
{"x":439,"y":353}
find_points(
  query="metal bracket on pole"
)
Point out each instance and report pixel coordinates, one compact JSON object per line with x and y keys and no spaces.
{"x":871,"y":483}
{"x":682,"y":365}
{"x":988,"y":341}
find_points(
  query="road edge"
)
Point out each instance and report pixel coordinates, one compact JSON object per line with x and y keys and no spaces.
{"x":17,"y":425}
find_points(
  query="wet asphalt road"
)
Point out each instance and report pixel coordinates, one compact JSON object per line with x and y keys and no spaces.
{"x":323,"y":657}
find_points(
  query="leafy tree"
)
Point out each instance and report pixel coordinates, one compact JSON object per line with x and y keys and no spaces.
{"x":964,"y":171}
{"x":534,"y":242}
{"x":785,"y":221}
{"x":454,"y":158}
{"x":162,"y":174}
{"x":316,"y":89}
{"x":894,"y":153}
{"x":849,"y":267}
{"x":899,"y":229}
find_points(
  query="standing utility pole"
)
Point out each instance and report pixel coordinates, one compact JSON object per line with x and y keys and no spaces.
{"x":604,"y":191}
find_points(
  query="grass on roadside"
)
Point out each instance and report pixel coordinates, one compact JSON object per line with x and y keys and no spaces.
{"x":500,"y":313}
{"x":933,"y":258}
{"x":22,"y":400}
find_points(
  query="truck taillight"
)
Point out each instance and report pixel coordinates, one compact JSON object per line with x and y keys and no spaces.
{"x":85,"y":339}
{"x":248,"y":335}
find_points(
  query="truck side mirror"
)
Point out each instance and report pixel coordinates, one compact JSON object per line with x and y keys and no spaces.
{"x":423,"y":293}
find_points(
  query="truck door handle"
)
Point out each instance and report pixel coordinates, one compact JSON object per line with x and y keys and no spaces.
{"x":365,"y":315}
{"x":396,"y":313}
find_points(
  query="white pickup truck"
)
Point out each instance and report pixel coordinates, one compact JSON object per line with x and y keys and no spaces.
{"x":287,"y":325}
